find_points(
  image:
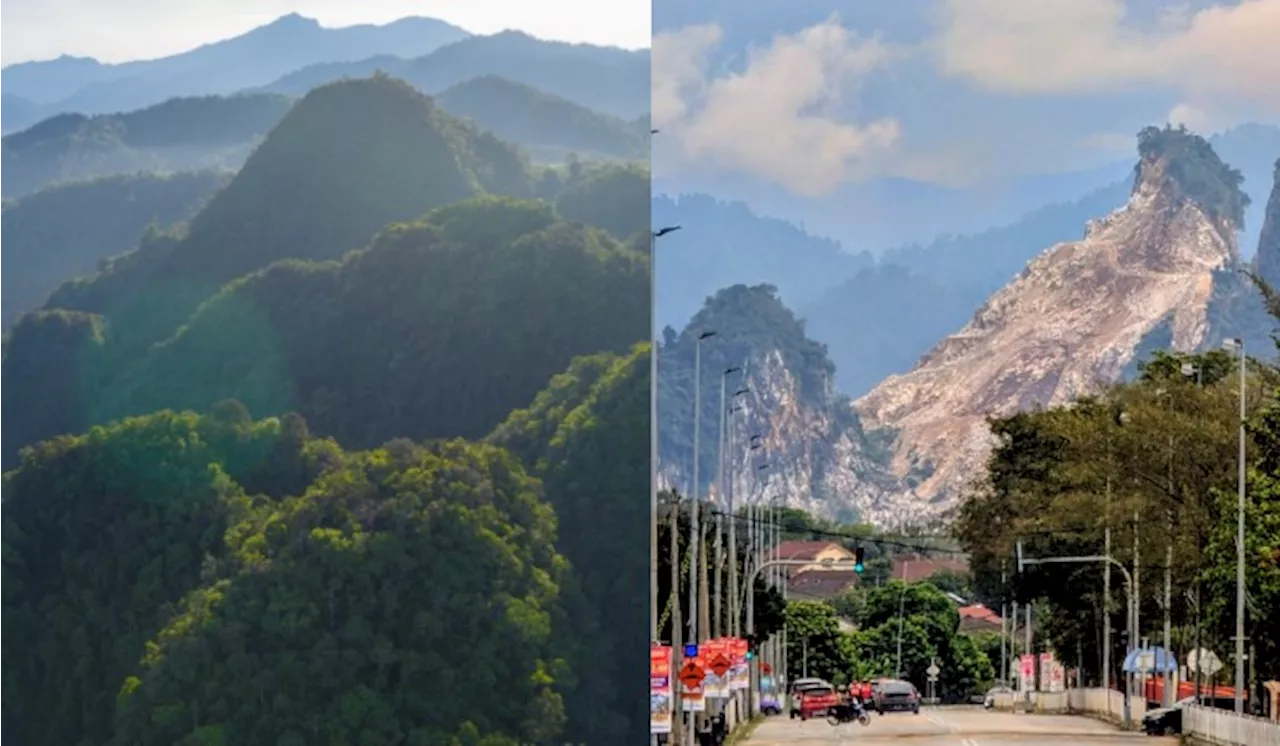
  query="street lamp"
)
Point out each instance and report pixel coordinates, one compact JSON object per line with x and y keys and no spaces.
{"x":653,"y":433}
{"x":1237,"y":345}
{"x":1197,"y":370}
{"x":695,"y":528}
{"x":721,"y":440}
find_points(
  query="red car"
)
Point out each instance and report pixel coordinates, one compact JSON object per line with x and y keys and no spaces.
{"x":816,"y":702}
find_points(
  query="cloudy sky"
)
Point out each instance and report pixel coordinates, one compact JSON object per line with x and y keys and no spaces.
{"x":948,"y":92}
{"x":120,"y":30}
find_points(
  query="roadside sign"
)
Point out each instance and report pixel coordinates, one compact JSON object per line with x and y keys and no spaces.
{"x":933,"y":670}
{"x":720,"y":664}
{"x":766,"y":668}
{"x":691,"y":674}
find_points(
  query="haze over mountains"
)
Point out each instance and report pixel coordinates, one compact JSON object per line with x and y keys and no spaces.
{"x":295,"y":54}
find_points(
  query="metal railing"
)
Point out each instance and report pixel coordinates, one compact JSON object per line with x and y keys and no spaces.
{"x":1227,"y":728}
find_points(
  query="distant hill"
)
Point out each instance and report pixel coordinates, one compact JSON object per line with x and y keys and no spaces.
{"x":547,"y":125}
{"x":349,"y":158}
{"x":606,"y":79}
{"x":70,"y":230}
{"x":179,"y":134}
{"x":86,"y":86}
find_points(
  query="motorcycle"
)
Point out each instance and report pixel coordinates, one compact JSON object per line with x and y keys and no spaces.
{"x":847,"y":713}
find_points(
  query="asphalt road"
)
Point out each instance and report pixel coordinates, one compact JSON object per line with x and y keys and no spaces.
{"x":950,"y":726}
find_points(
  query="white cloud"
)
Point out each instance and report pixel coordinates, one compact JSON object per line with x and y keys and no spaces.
{"x":778,"y":118}
{"x":678,"y":70}
{"x":1224,"y":53}
{"x":1193,"y":117}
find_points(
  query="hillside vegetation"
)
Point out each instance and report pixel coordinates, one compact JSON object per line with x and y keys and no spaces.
{"x":70,"y":230}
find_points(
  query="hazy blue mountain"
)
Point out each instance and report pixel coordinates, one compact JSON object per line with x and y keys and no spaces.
{"x":17,"y":112}
{"x":253,"y":59}
{"x":548,"y":126}
{"x":722,"y":244}
{"x":607,"y":79}
{"x":182,"y":133}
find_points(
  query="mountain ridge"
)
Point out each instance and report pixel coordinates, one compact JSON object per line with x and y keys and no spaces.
{"x":1073,"y":320}
{"x":250,"y":59}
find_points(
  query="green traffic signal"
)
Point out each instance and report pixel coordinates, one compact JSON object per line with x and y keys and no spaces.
{"x":859,"y":555}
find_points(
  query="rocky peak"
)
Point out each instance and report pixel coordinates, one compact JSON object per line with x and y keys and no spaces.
{"x":1267,"y":260}
{"x":1074,"y":319}
{"x":813,"y":451}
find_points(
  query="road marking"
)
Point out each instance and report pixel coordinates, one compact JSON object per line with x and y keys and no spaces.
{"x":968,"y":742}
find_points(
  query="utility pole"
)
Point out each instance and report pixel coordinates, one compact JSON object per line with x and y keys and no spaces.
{"x":1129,"y":585}
{"x":1167,"y":699}
{"x":1106,"y":576}
{"x":1238,"y":345}
{"x":1004,"y":623}
{"x":677,"y":623}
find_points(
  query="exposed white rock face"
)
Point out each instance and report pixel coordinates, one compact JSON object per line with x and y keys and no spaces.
{"x":816,"y":460}
{"x":1067,"y":325}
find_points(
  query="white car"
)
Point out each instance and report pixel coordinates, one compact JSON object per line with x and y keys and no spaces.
{"x":990,"y":700}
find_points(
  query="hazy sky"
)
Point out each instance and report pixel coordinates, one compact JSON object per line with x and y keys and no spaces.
{"x":120,"y":30}
{"x":984,"y":89}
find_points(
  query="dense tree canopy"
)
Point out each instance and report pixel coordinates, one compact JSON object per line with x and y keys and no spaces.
{"x":440,"y":329}
{"x":1156,"y":460}
{"x":1196,"y":170}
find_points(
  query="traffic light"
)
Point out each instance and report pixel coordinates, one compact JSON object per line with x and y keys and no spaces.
{"x":751,"y":654}
{"x":858,"y":555}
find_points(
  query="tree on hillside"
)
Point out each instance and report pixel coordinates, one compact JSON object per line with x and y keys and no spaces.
{"x":408,"y":597}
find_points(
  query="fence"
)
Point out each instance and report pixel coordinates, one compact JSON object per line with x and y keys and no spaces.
{"x":1227,"y":728}
{"x":1206,"y":724}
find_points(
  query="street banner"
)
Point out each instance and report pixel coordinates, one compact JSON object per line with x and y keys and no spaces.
{"x":1046,"y":671}
{"x":1027,"y":671}
{"x":692,"y":675}
{"x":660,"y":689}
{"x":716,"y":654}
{"x":1057,"y":678}
{"x":740,"y":674}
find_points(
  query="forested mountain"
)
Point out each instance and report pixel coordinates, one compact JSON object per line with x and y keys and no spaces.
{"x":223,"y":130}
{"x":291,"y":42}
{"x":346,"y":160}
{"x":548,"y":126}
{"x":69,"y":230}
{"x":182,"y":133}
{"x":220,"y":528}
{"x":605,"y":79}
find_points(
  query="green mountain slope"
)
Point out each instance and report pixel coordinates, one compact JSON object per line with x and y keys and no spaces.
{"x":69,"y":230}
{"x":587,"y":437}
{"x":548,"y":126}
{"x":348,"y":159}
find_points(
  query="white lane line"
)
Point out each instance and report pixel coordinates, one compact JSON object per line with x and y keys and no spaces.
{"x":968,"y":742}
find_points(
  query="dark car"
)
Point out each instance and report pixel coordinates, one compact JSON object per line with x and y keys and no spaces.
{"x":897,"y":696}
{"x":1164,"y":721}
